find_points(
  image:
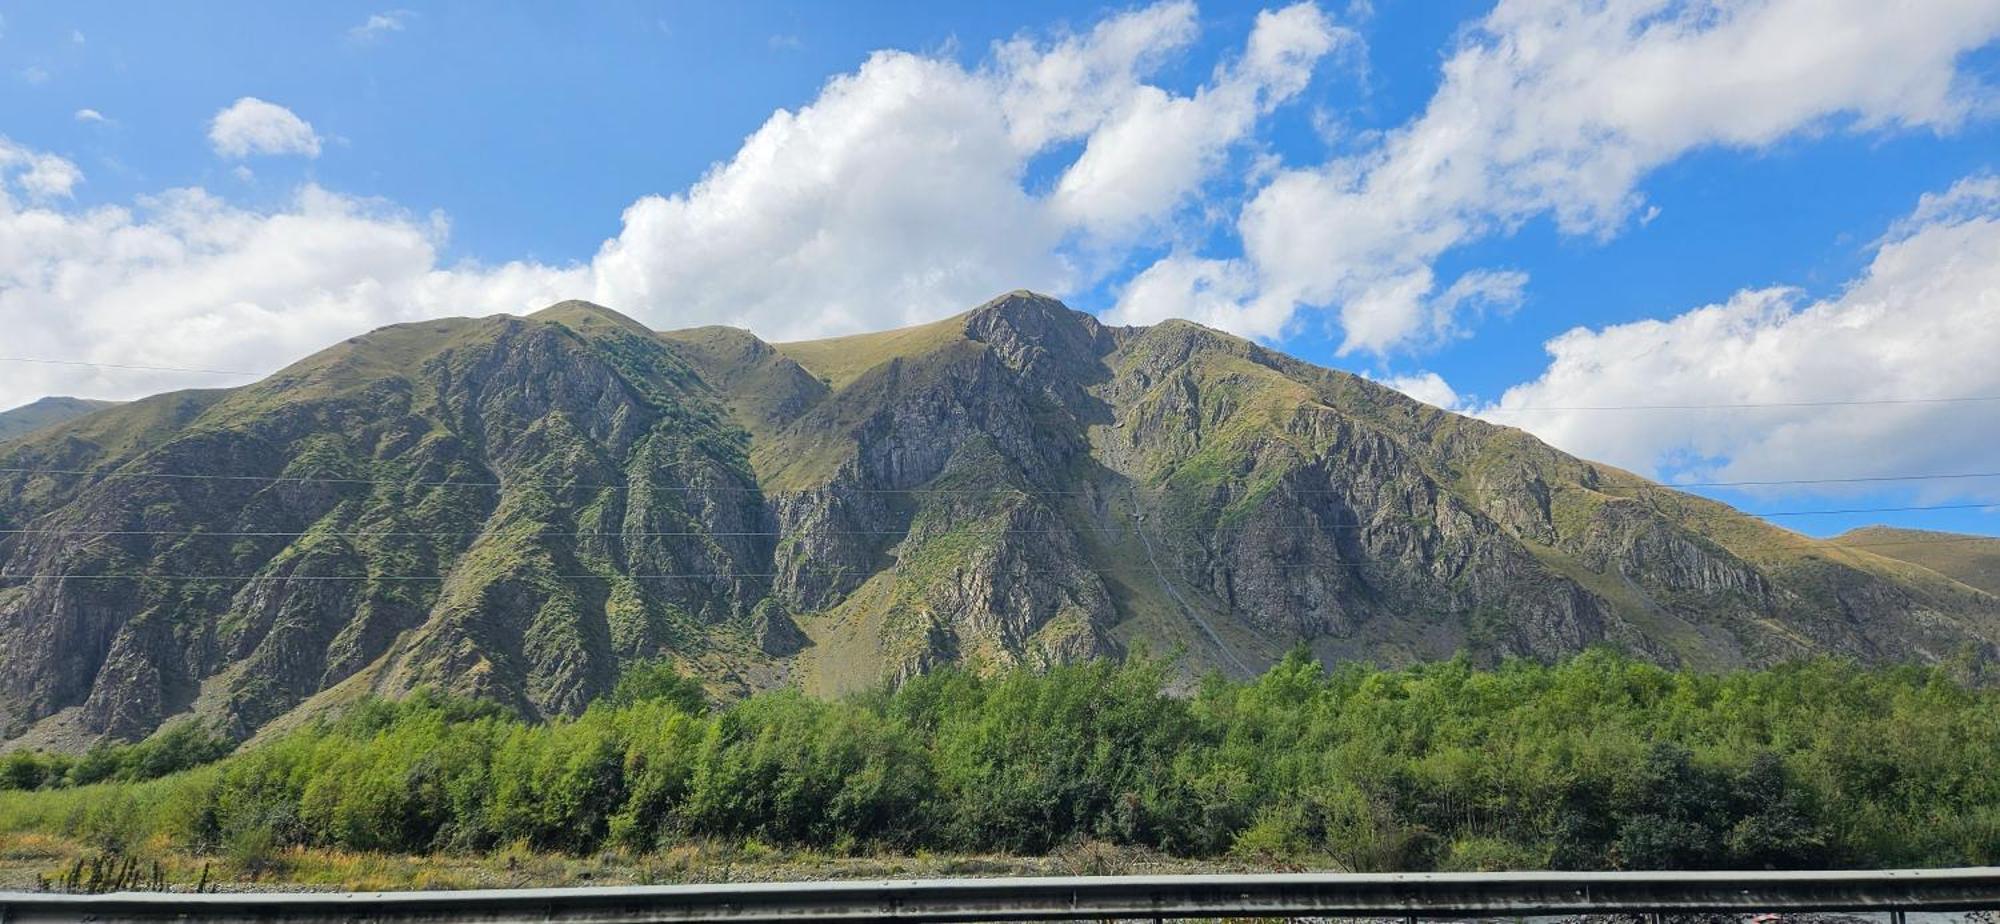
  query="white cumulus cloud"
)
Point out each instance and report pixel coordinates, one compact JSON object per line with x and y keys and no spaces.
{"x":1921,"y":322}
{"x":1205,"y":291}
{"x":895,"y":193}
{"x":38,"y":173}
{"x":1062,"y":90}
{"x":185,"y":279}
{"x":1548,"y":108}
{"x":1157,"y":148}
{"x":252,"y":126}
{"x":898,"y":194}
{"x":1428,"y":387}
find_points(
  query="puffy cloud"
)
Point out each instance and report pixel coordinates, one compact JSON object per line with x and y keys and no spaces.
{"x":898,"y":195}
{"x":184,"y":279}
{"x":1063,"y":90}
{"x":1550,"y":108}
{"x":1477,"y":292}
{"x":89,"y":115}
{"x":1182,"y":286}
{"x":1428,"y":387}
{"x":1919,"y":323}
{"x":1156,"y":148}
{"x":40,"y":174}
{"x":253,"y":126}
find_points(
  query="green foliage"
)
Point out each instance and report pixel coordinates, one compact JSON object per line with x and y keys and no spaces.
{"x":658,"y":680}
{"x":1597,"y":762}
{"x":173,"y":749}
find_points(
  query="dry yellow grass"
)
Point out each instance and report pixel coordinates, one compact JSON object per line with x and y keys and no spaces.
{"x":1971,"y":560}
{"x":30,"y":861}
{"x":840,"y":360}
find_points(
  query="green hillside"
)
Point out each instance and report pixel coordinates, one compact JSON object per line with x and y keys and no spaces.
{"x":517,"y":509}
{"x":1971,"y":560}
{"x":46,"y":412}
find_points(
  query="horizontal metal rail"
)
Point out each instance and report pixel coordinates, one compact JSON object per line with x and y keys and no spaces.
{"x":1395,"y":895}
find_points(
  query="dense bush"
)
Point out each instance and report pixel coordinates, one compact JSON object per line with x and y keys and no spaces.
{"x":1600,"y":761}
{"x":175,"y":748}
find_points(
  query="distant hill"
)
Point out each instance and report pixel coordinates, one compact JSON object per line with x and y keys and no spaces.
{"x":1973,"y":560}
{"x":518,"y":508}
{"x":46,"y":412}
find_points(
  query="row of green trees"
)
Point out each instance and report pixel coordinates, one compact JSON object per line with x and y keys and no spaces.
{"x":178,"y":747}
{"x":1600,"y":761}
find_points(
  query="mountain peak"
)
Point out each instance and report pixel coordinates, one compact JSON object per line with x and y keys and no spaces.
{"x":576,"y":312}
{"x":46,"y":412}
{"x":1047,"y":340}
{"x":64,"y":401}
{"x":1022,"y":304}
{"x":1032,"y":314}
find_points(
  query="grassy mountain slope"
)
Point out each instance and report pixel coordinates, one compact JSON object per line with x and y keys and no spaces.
{"x":534,"y":503}
{"x":1972,"y":560}
{"x":46,"y":412}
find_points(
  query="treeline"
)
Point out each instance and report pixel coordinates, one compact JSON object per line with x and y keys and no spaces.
{"x":1597,"y":762}
{"x":178,"y":747}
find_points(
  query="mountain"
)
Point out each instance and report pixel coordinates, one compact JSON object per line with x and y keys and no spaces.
{"x":1971,"y":560}
{"x":46,"y":412}
{"x":517,"y":508}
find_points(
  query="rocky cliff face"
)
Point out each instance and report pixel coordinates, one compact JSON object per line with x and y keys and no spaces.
{"x":516,"y":508}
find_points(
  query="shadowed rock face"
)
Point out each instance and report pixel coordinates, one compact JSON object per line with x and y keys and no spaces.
{"x":516,"y":508}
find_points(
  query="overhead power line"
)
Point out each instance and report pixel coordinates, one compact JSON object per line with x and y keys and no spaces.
{"x":1808,"y":544}
{"x":322,"y":479}
{"x":79,"y":362}
{"x":1684,"y":516}
{"x":750,"y":533}
{"x":1848,"y":510}
{"x":1718,"y":406}
{"x":1864,"y":479}
{"x":1744,"y":405}
{"x":453,"y":483}
{"x":1845,"y":403}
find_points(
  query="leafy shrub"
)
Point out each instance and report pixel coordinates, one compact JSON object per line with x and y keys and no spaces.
{"x":1599,"y":761}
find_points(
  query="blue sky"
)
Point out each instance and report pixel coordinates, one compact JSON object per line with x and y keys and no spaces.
{"x":1782,"y":202}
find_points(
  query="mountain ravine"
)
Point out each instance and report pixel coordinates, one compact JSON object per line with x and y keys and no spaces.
{"x":516,"y":508}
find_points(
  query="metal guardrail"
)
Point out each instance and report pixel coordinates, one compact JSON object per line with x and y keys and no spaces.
{"x":1395,"y":895}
